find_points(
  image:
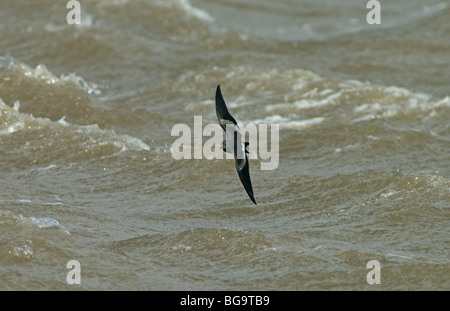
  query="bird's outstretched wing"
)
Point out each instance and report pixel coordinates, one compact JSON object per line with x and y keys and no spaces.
{"x":243,"y":171}
{"x":223,"y":116}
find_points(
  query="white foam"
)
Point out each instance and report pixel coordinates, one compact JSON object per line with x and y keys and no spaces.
{"x":15,"y":127}
{"x":43,"y":169}
{"x":372,"y":137}
{"x":133,"y":143}
{"x":43,"y":74}
{"x":310,"y":102}
{"x":287,"y":123}
{"x":24,"y":201}
{"x":91,"y":88}
{"x":388,"y":193}
{"x":15,"y":121}
{"x":306,"y":104}
{"x":40,"y":222}
{"x":63,"y":121}
{"x":188,"y":9}
{"x":16,"y":105}
{"x":48,"y":222}
{"x":198,"y":13}
{"x":40,"y":72}
{"x":445,"y":102}
{"x":397,"y":91}
{"x":392,"y":255}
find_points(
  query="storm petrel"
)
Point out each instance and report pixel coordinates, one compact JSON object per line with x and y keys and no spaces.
{"x":234,"y":139}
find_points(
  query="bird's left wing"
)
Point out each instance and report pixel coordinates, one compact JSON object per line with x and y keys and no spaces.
{"x":223,"y":116}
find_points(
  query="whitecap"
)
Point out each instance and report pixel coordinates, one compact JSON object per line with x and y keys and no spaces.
{"x":43,"y":74}
{"x":43,"y":169}
{"x":16,"y":105}
{"x":388,"y":193}
{"x":193,"y":11}
{"x":14,"y":121}
{"x":40,"y":222}
{"x":188,"y":9}
{"x":48,"y":222}
{"x":287,"y":123}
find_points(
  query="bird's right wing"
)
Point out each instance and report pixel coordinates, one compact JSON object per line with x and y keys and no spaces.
{"x":243,"y":171}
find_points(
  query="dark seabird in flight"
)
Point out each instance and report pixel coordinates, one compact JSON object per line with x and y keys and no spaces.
{"x":240,"y":147}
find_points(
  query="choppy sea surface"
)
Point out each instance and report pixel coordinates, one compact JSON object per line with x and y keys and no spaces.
{"x":87,"y":173}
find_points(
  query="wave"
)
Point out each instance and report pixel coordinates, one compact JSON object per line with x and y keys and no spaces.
{"x":47,"y":100}
{"x":22,"y":232}
{"x":184,"y":6}
{"x":298,"y":99}
{"x":198,"y":240}
{"x":287,"y":123}
{"x":189,"y":10}
{"x":42,"y":74}
{"x":50,"y":140}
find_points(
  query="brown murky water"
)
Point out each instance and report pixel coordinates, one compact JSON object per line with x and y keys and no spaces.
{"x":87,"y":174}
